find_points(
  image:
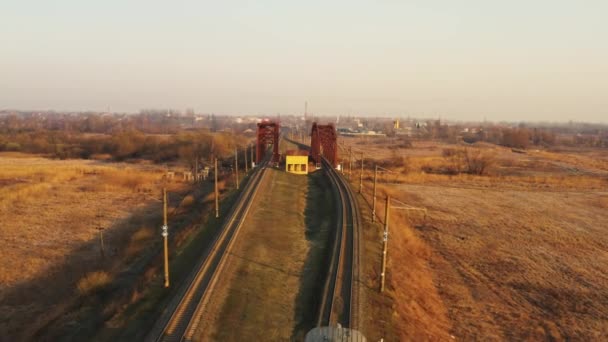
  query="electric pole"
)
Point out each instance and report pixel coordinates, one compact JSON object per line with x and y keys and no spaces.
{"x":252,"y":162}
{"x":236,"y":166}
{"x":350,"y":162}
{"x":100,"y":228}
{"x":217,"y":194}
{"x":361,"y":176}
{"x":101,"y":246}
{"x":246,"y":147}
{"x":165,"y":234}
{"x":374,"y":200}
{"x":385,"y":242}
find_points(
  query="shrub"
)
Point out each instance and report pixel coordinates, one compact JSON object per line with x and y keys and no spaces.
{"x":12,"y":146}
{"x":478,"y":162}
{"x":404,"y":142}
{"x":472,"y":161}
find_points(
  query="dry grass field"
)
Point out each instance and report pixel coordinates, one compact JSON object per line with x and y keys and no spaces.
{"x":50,"y":213}
{"x":519,"y":253}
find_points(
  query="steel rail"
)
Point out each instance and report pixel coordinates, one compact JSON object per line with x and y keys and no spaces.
{"x":177,"y":318}
{"x":203,"y":302}
{"x":340,"y":300}
{"x":340,"y":296}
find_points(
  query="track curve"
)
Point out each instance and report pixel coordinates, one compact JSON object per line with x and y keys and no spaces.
{"x":340,"y":298}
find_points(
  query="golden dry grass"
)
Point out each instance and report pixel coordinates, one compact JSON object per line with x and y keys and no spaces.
{"x":50,"y":212}
{"x":534,"y":170}
{"x":513,"y":264}
{"x":514,"y":255}
{"x":93,"y":281}
{"x":591,"y":161}
{"x":25,"y":179}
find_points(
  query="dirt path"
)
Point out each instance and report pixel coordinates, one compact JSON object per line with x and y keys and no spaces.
{"x":265,"y":292}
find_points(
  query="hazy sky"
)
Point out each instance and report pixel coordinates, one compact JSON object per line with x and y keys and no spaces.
{"x":502,"y":60}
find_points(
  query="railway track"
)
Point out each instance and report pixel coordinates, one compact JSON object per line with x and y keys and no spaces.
{"x":181,"y":317}
{"x":340,"y":296}
{"x":340,"y":299}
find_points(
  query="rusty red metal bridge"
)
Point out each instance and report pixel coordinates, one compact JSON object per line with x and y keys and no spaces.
{"x":324,"y":142}
{"x":268,"y":134}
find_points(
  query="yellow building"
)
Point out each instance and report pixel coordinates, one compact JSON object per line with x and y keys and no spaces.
{"x":297,"y":164}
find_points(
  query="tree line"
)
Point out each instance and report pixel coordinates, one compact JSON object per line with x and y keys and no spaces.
{"x":127,"y":145}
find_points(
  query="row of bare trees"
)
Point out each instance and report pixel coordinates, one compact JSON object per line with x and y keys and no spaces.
{"x":185,"y":146}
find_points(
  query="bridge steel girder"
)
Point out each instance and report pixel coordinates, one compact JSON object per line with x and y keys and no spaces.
{"x":268,"y":134}
{"x":324,"y":142}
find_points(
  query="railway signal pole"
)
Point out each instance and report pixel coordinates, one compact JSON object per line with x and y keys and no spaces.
{"x":236,"y":166}
{"x":217,"y":194}
{"x":385,"y":242}
{"x":165,"y":234}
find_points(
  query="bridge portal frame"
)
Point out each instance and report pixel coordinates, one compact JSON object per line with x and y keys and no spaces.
{"x":324,"y":142}
{"x":267,"y":134}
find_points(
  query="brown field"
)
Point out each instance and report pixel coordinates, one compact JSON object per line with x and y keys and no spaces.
{"x":518,"y":253}
{"x":50,"y":212}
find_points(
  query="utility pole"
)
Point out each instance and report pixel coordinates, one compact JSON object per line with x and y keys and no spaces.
{"x":236,"y":166}
{"x":165,"y":234}
{"x":101,"y":246}
{"x":196,"y":170}
{"x":252,"y":162}
{"x":217,"y":194}
{"x":361,"y":176}
{"x":385,"y":242}
{"x":100,"y":228}
{"x":246,"y":158}
{"x":350,"y":162}
{"x":374,"y":200}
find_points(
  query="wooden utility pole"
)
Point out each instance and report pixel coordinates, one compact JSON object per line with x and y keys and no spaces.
{"x":361,"y":176}
{"x":217,"y":193}
{"x":236,"y":166}
{"x":374,"y":200}
{"x":385,"y":242}
{"x":165,"y":234}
